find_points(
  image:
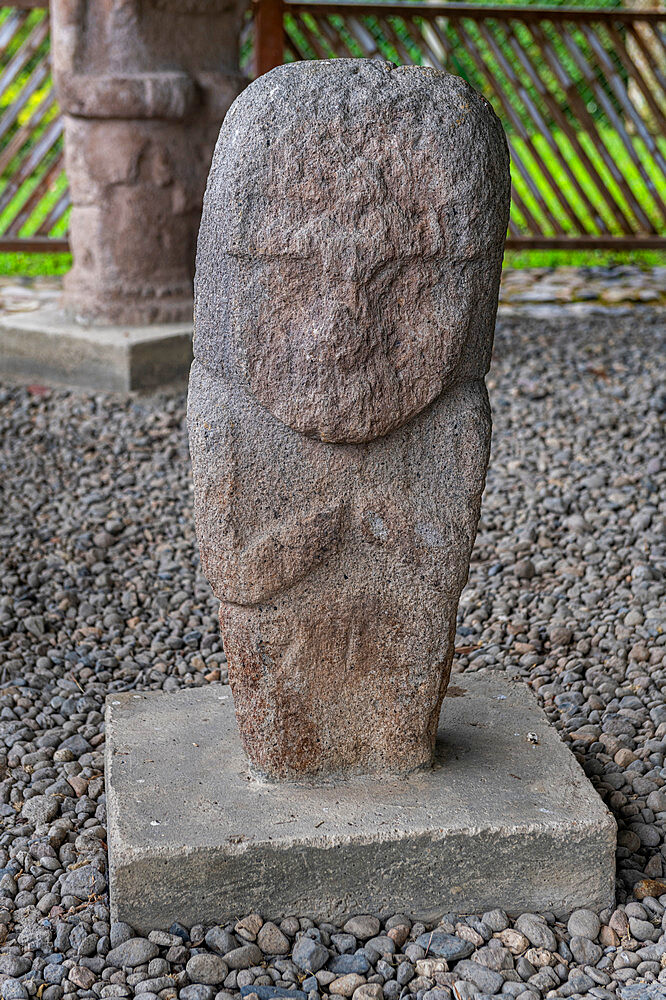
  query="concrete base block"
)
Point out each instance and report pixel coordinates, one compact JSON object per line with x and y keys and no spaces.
{"x":48,"y":346}
{"x":505,"y":818}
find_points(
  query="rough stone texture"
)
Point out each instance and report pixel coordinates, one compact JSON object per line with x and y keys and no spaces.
{"x":347,"y":277}
{"x":192,"y":836}
{"x":144,"y":85}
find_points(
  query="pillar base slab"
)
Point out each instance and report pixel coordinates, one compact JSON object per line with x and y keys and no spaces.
{"x":505,"y":818}
{"x":48,"y":346}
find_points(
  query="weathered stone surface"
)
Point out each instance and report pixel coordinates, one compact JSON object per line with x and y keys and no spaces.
{"x":269,"y":992}
{"x":134,"y":952}
{"x":221,"y":941}
{"x":271,"y":940}
{"x":347,"y":985}
{"x":348,"y":268}
{"x":363,"y":927}
{"x":207,"y":969}
{"x":143,"y":85}
{"x":309,"y":955}
{"x":83,"y":882}
{"x":344,"y":964}
{"x":244,"y":957}
{"x":40,"y":809}
{"x":443,"y":945}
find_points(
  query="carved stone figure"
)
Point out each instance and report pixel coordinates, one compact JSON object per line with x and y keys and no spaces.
{"x":347,"y":278}
{"x":144,"y":86}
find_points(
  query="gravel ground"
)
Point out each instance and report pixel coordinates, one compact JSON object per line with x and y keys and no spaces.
{"x":101,"y":593}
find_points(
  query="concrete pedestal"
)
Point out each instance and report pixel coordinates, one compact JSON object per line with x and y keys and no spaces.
{"x":505,"y":818}
{"x":46,"y":345}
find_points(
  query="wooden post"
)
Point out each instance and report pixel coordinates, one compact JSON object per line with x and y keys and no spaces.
{"x":268,"y":35}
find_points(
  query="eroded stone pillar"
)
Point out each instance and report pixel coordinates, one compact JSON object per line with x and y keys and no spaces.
{"x":348,"y":271}
{"x":144,"y":86}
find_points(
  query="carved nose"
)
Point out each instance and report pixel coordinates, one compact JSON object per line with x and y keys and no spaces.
{"x":334,"y":331}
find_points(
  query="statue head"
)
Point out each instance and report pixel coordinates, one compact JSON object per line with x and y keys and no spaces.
{"x":356,"y":240}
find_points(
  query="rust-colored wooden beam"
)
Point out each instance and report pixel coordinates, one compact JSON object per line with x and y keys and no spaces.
{"x":268,"y":35}
{"x":586,"y":243}
{"x":476,"y":12}
{"x":34,"y":244}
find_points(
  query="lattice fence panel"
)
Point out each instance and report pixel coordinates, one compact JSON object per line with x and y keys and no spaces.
{"x":34,"y":196}
{"x":581,"y":94}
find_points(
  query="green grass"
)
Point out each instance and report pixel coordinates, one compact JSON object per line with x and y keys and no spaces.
{"x":32,"y":265}
{"x":35,"y":264}
{"x":584,"y":258}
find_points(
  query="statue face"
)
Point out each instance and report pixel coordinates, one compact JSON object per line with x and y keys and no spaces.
{"x":348,"y":352}
{"x":353,"y":334}
{"x":354,"y":269}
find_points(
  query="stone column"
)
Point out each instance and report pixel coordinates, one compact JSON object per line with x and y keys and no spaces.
{"x":144,"y":86}
{"x":348,"y":272}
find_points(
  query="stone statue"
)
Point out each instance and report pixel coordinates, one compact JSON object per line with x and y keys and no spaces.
{"x":144,"y":86}
{"x":347,"y":279}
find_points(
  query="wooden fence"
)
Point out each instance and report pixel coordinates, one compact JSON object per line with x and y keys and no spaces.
{"x":34,"y":197}
{"x":581,"y":93}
